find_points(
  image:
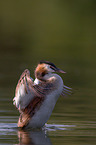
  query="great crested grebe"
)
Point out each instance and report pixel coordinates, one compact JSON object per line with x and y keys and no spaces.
{"x":35,"y":100}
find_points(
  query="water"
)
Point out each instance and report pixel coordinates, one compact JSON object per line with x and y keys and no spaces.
{"x":77,"y":133}
{"x":61,"y":32}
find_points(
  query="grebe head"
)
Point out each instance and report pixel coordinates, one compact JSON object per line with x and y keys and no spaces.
{"x":44,"y":69}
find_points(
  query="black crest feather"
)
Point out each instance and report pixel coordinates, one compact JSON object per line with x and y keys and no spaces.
{"x":47,"y":62}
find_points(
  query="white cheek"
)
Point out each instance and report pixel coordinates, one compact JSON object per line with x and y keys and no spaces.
{"x":49,"y":69}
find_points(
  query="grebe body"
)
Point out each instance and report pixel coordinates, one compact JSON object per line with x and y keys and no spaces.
{"x":35,"y":100}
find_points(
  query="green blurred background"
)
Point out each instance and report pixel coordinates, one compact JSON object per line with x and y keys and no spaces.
{"x":63,"y":32}
{"x":60,"y":31}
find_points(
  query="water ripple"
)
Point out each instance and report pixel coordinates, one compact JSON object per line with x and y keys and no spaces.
{"x":54,"y":127}
{"x":6,"y":128}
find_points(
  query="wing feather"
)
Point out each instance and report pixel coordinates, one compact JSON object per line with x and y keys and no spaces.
{"x":22,"y":92}
{"x":66,"y":91}
{"x":26,"y":90}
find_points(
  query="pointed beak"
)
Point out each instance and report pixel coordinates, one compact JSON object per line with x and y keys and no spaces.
{"x":59,"y":70}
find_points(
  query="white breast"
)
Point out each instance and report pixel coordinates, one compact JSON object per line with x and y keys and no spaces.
{"x":44,"y":112}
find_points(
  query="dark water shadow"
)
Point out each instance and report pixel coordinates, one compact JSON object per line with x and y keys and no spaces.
{"x":30,"y":137}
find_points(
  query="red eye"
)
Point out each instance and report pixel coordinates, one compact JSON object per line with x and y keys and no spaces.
{"x":52,"y":67}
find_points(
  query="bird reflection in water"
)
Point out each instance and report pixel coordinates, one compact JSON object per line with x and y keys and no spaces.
{"x":27,"y":137}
